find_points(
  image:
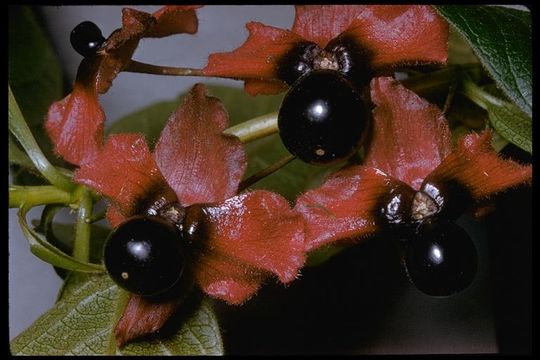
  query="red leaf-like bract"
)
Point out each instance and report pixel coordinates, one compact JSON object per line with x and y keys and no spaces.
{"x":322,"y":23}
{"x":410,"y":136}
{"x":478,"y":168}
{"x":345,"y":207}
{"x":200,"y":163}
{"x":256,"y":59}
{"x":246,"y":239}
{"x":401,"y":35}
{"x":75,"y":123}
{"x":125,"y":172}
{"x":142,"y":317}
{"x":175,"y":20}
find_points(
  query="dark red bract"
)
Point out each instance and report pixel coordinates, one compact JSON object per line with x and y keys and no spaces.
{"x":388,"y":36}
{"x":410,"y":151}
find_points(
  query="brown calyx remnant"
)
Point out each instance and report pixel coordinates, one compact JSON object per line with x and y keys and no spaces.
{"x":423,"y":206}
{"x":325,"y":60}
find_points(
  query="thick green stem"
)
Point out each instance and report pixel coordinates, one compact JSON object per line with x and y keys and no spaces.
{"x":37,"y":195}
{"x":256,"y":128}
{"x":138,"y":67}
{"x":81,"y":246}
{"x":21,"y":131}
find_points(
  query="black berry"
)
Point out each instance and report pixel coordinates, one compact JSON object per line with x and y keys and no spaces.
{"x":145,"y":255}
{"x":322,"y":118}
{"x":441,"y":260}
{"x":297,"y":62}
{"x":86,"y":38}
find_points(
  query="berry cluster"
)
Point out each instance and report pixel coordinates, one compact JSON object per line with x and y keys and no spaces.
{"x":178,"y":211}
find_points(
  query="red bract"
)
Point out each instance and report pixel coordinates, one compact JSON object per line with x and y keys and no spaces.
{"x":75,"y":123}
{"x":410,"y":156}
{"x":388,"y":36}
{"x":246,"y":237}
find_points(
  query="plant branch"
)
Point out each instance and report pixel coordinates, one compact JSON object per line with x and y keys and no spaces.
{"x":21,"y":131}
{"x":255,"y":128}
{"x":30,"y":196}
{"x":81,"y":246}
{"x":139,"y":67}
{"x":244,"y":184}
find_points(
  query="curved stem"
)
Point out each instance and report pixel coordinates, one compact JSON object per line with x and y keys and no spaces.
{"x":99,"y":216}
{"x":139,"y":67}
{"x":441,"y":79}
{"x":21,"y":131}
{"x":244,"y":184}
{"x":81,"y":246}
{"x":476,"y":94}
{"x":255,"y":128}
{"x":20,"y":196}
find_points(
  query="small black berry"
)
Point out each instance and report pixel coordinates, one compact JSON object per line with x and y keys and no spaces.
{"x":441,"y":260}
{"x":86,"y":38}
{"x":145,"y":255}
{"x":322,"y":118}
{"x":297,"y":62}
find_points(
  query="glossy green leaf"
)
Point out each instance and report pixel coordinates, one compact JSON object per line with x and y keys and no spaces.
{"x":502,"y":40}
{"x":81,"y":323}
{"x":34,"y":70}
{"x":511,"y":123}
{"x":49,"y":253}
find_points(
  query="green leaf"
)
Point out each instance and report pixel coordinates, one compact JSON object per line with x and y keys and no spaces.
{"x":81,"y":323}
{"x":48,"y":252}
{"x":502,"y":40}
{"x":34,"y":71}
{"x":511,"y":123}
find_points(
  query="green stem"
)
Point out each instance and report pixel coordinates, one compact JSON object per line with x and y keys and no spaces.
{"x":441,"y":79}
{"x":30,"y":196}
{"x":265,"y":172}
{"x":138,"y":67}
{"x":256,"y":128}
{"x":99,"y":216}
{"x":81,"y":246}
{"x":21,"y":131}
{"x":475,"y":93}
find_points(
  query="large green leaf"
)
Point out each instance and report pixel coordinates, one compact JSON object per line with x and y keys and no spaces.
{"x":80,"y":323}
{"x":34,"y":72}
{"x":502,"y":40}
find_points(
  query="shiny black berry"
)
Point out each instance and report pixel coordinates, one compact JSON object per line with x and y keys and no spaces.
{"x":86,"y":38}
{"x":322,"y":118}
{"x":441,"y":260}
{"x":297,"y":62}
{"x":145,"y":255}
